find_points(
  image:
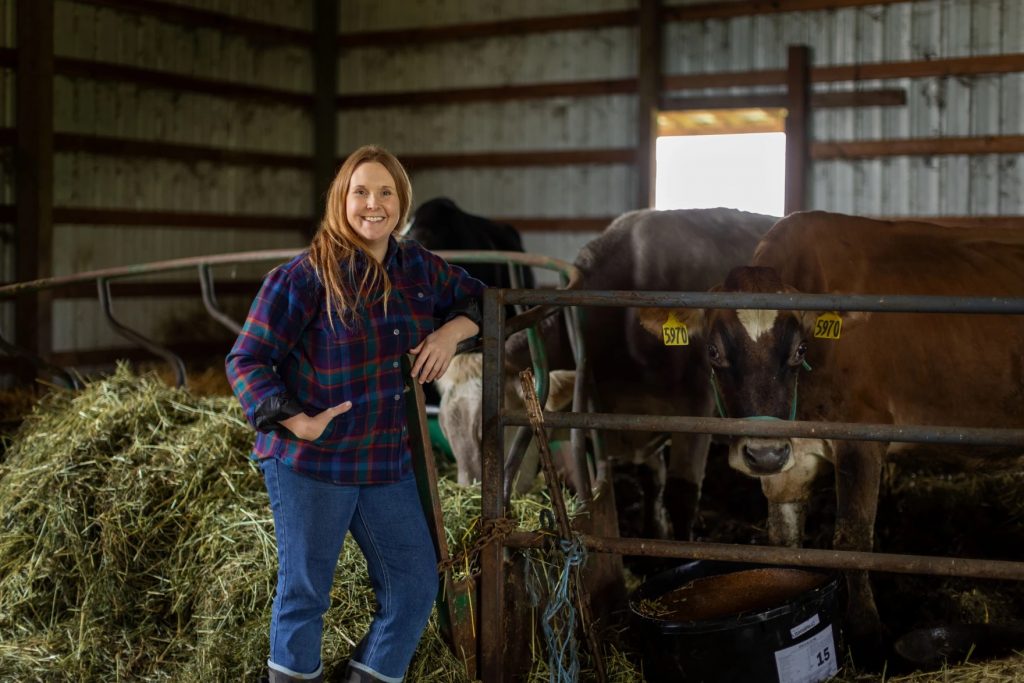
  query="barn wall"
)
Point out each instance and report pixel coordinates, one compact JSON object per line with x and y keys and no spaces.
{"x":936,"y":107}
{"x":552,"y":123}
{"x":137,"y":112}
{"x":940,"y":185}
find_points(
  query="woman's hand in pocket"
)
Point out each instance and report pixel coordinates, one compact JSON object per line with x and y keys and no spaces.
{"x":311,"y":427}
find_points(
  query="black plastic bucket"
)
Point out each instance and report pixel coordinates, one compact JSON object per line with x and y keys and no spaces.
{"x":720,"y":622}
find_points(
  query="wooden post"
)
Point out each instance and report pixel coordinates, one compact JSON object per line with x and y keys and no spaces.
{"x":798,"y":127}
{"x":492,"y":501}
{"x":34,"y":171}
{"x":325,"y":102}
{"x":648,"y":90}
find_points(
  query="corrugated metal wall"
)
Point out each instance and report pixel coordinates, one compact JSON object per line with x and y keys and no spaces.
{"x":572,"y":191}
{"x":917,"y":30}
{"x":936,"y":107}
{"x":123,"y":110}
{"x":924,"y":29}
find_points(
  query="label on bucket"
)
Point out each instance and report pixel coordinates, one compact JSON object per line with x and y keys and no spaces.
{"x":811,"y":661}
{"x":803,"y":628}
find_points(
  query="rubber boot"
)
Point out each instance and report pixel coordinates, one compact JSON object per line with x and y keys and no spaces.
{"x":354,"y":675}
{"x":274,"y":676}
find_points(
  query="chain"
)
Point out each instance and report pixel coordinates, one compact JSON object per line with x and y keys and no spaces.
{"x":490,"y":531}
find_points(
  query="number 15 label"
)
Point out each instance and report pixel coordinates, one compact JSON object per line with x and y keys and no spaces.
{"x":811,"y":661}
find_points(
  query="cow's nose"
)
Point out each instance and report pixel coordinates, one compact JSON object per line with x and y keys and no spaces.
{"x":767,"y":459}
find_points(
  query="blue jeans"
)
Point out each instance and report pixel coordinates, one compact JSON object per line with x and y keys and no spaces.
{"x":311,"y":518}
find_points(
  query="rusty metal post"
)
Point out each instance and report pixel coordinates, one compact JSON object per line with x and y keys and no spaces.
{"x":536,"y":413}
{"x":492,"y":503}
{"x":455,"y":601}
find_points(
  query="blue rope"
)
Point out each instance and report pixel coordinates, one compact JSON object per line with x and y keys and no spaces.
{"x":560,"y":633}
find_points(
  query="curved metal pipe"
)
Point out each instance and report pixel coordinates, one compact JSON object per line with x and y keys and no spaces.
{"x":210,"y":300}
{"x":103,"y":287}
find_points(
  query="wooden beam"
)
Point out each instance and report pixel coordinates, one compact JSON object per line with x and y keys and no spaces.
{"x":869,"y":149}
{"x":126,"y":147}
{"x":934,"y":68}
{"x":499,"y":93}
{"x":595,"y":224}
{"x":199,"y":18}
{"x":34,"y":172}
{"x":731,"y":9}
{"x":798,"y":127}
{"x":490,"y":29}
{"x":590,"y":21}
{"x":648,"y":81}
{"x":881,"y":97}
{"x":724,"y":79}
{"x":929,"y":68}
{"x":417,"y":162}
{"x":176,"y":219}
{"x":106,"y":71}
{"x":325,"y":109}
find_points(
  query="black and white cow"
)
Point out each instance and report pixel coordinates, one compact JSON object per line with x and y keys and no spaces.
{"x":440,"y":225}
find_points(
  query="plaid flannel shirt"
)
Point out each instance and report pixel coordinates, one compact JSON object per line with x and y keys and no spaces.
{"x":289,"y":359}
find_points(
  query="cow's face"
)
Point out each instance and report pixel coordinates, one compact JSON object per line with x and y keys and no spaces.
{"x":756,"y":357}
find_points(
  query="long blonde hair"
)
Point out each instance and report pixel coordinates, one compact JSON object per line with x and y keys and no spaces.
{"x":336,"y":245}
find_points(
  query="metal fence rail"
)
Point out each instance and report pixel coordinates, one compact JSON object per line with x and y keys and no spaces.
{"x":203,"y":265}
{"x":495,"y":418}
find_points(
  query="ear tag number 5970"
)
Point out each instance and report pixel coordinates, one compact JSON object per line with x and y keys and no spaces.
{"x":673,"y":332}
{"x":828,"y":326}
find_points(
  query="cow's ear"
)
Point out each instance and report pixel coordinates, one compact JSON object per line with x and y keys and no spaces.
{"x":831,"y":324}
{"x":654,"y":319}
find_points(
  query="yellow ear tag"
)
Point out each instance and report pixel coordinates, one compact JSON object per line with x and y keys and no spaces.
{"x":673,"y":332}
{"x":828,"y":326}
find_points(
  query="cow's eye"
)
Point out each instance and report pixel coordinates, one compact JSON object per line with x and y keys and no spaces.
{"x":798,"y":354}
{"x":714,"y":355}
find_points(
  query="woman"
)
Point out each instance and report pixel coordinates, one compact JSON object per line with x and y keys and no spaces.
{"x":317,"y":369}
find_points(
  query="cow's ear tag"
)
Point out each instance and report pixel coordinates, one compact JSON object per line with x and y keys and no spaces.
{"x":828,"y":326}
{"x":673,"y":332}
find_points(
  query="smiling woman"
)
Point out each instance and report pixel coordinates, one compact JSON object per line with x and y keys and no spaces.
{"x":317,"y":368}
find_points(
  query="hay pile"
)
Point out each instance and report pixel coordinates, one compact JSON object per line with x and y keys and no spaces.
{"x":137,"y":544}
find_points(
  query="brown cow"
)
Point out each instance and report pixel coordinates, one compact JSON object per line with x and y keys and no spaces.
{"x":886,"y":368}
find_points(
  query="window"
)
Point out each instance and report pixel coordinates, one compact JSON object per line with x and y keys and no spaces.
{"x":734,"y":158}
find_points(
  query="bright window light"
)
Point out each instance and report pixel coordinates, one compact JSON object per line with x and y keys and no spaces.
{"x":741,"y":171}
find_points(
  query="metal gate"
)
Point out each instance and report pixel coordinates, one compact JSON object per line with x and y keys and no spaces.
{"x":492,"y":637}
